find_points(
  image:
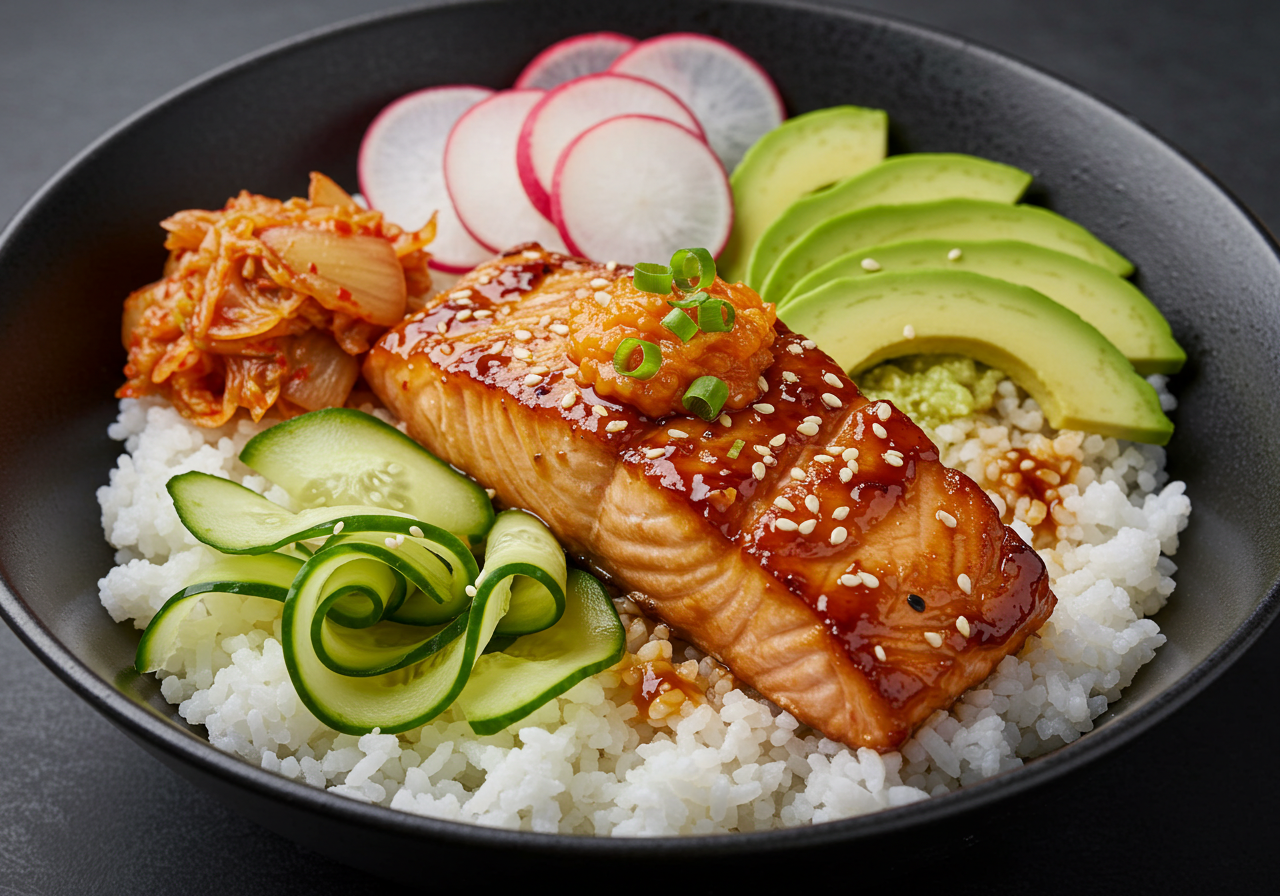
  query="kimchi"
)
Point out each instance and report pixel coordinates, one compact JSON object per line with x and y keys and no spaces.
{"x":270,"y":304}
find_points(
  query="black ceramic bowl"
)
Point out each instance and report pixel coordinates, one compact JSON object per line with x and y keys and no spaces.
{"x":90,"y":237}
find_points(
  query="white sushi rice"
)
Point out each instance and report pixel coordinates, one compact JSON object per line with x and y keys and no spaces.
{"x":587,"y":763}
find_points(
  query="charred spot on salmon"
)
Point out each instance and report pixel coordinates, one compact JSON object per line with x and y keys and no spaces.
{"x":915,"y":602}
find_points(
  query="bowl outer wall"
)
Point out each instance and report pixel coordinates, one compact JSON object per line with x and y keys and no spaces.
{"x":309,"y":107}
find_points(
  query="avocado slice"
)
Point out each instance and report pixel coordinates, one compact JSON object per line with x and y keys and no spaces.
{"x":1079,"y":378}
{"x":799,"y":156}
{"x":956,"y":219}
{"x":915,"y":177}
{"x":1112,"y":304}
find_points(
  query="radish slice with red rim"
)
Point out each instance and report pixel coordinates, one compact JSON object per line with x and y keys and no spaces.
{"x":730,"y":93}
{"x":572,"y":108}
{"x":636,"y":188}
{"x":480,"y":174}
{"x":572,"y":58}
{"x":401,"y":168}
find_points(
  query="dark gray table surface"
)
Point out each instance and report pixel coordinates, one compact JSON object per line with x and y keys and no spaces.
{"x":1184,"y":808}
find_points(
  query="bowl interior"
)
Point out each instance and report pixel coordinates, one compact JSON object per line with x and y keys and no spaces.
{"x":91,"y":237}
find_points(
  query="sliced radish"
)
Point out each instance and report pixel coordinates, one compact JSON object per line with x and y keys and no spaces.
{"x":401,"y":169}
{"x":480,"y":173}
{"x":636,"y":188}
{"x":728,"y":91}
{"x":572,"y":58}
{"x":572,"y":108}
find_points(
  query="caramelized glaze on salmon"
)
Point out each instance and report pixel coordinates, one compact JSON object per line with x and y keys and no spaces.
{"x":833,"y":564}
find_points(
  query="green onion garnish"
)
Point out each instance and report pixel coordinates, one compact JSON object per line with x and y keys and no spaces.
{"x":705,"y":397}
{"x":681,"y":324}
{"x":693,"y":269}
{"x":692,"y":302}
{"x":649,"y":363}
{"x":736,"y":449}
{"x":710,"y":320}
{"x":655,"y":278}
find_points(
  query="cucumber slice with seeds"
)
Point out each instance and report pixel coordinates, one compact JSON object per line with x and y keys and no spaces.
{"x":340,"y":456}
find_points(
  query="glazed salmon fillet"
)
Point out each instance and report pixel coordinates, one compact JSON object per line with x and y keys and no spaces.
{"x":831,"y":562}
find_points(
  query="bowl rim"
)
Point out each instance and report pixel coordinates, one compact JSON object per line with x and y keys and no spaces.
{"x":164,"y":736}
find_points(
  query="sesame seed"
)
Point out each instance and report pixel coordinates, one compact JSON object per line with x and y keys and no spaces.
{"x":835,"y":449}
{"x":849,"y":454}
{"x":813,"y":418}
{"x":934,"y":639}
{"x":725,"y":420}
{"x":599,"y":283}
{"x":777,"y":440}
{"x":654,"y":453}
{"x":540,"y":370}
{"x":677,"y":433}
{"x":483,"y":279}
{"x":880,"y":431}
{"x":915,"y":602}
{"x":808,"y":343}
{"x":771,"y":461}
{"x":811,"y":502}
{"x":797,"y":474}
{"x":884,"y":411}
{"x":615,"y":426}
{"x":464,"y":314}
{"x":415,"y":532}
{"x":602,"y":298}
{"x":965,"y":583}
{"x":946,"y":519}
{"x":762,"y":384}
{"x":795,"y":349}
{"x":783,"y":504}
{"x":531,"y":253}
{"x":893,"y":460}
{"x":569,"y":400}
{"x":880,"y":653}
{"x":790,"y":377}
{"x":840,"y":512}
{"x":838,"y":535}
{"x":532,"y":379}
{"x":600,"y":410}
{"x":559,"y":329}
{"x":824,"y":458}
{"x":808,"y":526}
{"x":337,"y":527}
{"x":908,"y":332}
{"x":954,"y":255}
{"x":491,"y":492}
{"x":807,"y":429}
{"x":393,"y":541}
{"x":757,"y":470}
{"x":962,"y":626}
{"x":870,"y":264}
{"x":830,"y":400}
{"x":762,"y":408}
{"x":471,"y":590}
{"x":522,"y":335}
{"x":846,"y":474}
{"x":610,"y":266}
{"x":571,"y":370}
{"x":467,"y":302}
{"x":442,"y":328}
{"x":483,"y":313}
{"x":868,"y":579}
{"x":831,"y":380}
{"x":762,"y":450}
{"x":786,"y":525}
{"x":522,"y":353}
{"x":849,"y":581}
{"x":460,"y":294}
{"x":822,"y":603}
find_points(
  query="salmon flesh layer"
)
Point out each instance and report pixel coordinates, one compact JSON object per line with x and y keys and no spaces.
{"x":845,"y":574}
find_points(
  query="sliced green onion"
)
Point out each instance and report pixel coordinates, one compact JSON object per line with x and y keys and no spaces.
{"x":681,"y":324}
{"x":655,"y":278}
{"x":693,"y":269}
{"x":705,"y":397}
{"x":736,"y":449}
{"x":649,"y":363}
{"x":692,"y":302}
{"x":710,"y":319}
